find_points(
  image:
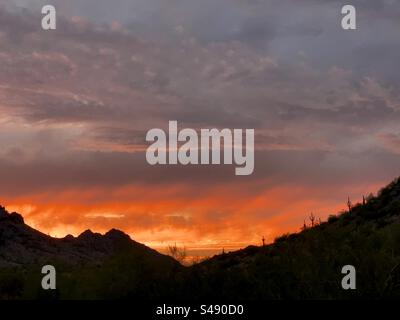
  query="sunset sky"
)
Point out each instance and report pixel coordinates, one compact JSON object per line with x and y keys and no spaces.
{"x":76,"y":103}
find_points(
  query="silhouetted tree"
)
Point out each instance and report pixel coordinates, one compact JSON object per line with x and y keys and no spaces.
{"x":370,"y":197}
{"x":177,"y":253}
{"x":304,"y":226}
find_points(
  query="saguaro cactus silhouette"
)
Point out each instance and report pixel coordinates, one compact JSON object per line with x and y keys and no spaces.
{"x":312,"y":219}
{"x":349,"y":204}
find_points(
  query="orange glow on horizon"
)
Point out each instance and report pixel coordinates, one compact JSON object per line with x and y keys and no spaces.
{"x":222,"y":217}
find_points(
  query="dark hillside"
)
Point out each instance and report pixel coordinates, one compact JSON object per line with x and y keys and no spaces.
{"x":304,"y":265}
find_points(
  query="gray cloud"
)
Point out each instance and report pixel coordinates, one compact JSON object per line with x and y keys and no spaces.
{"x":113,"y":70}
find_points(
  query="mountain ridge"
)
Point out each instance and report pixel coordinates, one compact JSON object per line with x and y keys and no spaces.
{"x":22,"y":245}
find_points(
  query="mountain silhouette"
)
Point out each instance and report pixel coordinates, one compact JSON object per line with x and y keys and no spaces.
{"x":303,"y":265}
{"x":21,"y":245}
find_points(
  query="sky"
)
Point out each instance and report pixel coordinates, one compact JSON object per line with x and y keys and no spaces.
{"x":76,"y":103}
